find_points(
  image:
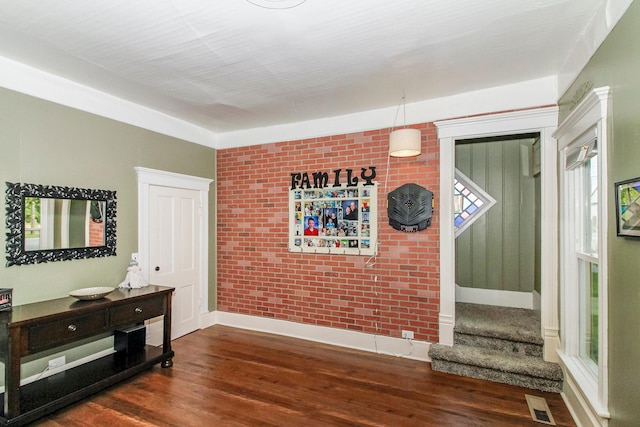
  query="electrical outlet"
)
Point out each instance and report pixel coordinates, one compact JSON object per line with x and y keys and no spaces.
{"x":407,"y":335}
{"x":57,"y":362}
{"x":134,"y":256}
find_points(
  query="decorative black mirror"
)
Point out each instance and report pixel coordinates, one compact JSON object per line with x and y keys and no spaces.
{"x":48,"y":223}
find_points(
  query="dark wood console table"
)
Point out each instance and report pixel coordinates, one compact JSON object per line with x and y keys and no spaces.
{"x":32,"y":328}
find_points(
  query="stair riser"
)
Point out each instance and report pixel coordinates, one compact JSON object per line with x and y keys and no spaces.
{"x":506,"y":346}
{"x":496,"y":376}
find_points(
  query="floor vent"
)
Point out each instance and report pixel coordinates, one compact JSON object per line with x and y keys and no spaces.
{"x":539,"y":410}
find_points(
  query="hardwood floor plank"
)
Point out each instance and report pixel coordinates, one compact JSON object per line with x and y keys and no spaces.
{"x":231,"y":377}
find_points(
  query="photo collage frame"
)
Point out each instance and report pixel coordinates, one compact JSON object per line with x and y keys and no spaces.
{"x":334,"y":220}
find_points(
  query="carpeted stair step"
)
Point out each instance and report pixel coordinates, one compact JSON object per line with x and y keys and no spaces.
{"x":494,"y":365}
{"x":506,"y":323}
{"x":504,"y":345}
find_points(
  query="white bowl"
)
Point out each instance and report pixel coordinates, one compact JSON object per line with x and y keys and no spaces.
{"x":91,"y":293}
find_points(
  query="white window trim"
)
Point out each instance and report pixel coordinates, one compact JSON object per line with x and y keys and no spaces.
{"x":592,"y":112}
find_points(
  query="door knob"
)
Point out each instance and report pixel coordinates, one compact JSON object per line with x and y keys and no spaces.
{"x":157,"y":268}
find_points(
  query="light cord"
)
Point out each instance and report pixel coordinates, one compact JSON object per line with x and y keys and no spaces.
{"x":373,"y":258}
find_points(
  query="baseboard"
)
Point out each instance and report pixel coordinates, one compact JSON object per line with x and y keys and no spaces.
{"x":48,"y":372}
{"x":537,"y":300}
{"x":446,"y":324}
{"x":207,"y":319}
{"x":581,"y":412}
{"x":551,"y":339}
{"x":414,"y":349}
{"x":494,"y":297}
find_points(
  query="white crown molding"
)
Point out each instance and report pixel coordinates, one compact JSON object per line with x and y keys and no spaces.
{"x":495,"y":124}
{"x":40,"y":84}
{"x":34,"y":82}
{"x":603,"y":21}
{"x":591,"y":109}
{"x":522,"y":95}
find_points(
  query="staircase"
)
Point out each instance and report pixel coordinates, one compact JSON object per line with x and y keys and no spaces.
{"x":500,"y":344}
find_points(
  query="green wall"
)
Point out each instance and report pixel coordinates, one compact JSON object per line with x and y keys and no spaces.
{"x":77,"y":214}
{"x":617,"y":64}
{"x":46,"y":143}
{"x":497,"y":251}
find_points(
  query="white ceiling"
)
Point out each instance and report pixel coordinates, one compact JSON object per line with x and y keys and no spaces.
{"x":228,"y":65}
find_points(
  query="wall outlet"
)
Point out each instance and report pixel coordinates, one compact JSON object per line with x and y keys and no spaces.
{"x":134,"y":256}
{"x":407,"y":335}
{"x":57,"y":362}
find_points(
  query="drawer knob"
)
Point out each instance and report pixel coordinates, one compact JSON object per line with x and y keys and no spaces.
{"x":138,"y":310}
{"x":72,"y":328}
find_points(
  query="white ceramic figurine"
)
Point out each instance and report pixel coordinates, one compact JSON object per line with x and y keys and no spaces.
{"x":134,"y":277}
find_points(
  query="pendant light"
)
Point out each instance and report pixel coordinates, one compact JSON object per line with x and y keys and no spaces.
{"x":405,"y":142}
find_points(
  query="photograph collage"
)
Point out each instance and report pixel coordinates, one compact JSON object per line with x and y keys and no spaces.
{"x":332,"y":218}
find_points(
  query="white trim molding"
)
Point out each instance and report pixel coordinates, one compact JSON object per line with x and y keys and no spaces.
{"x":400,"y":347}
{"x":41,"y":84}
{"x":603,"y":21}
{"x":148,"y":177}
{"x":494,"y":297}
{"x":525,"y":94}
{"x":587,"y":392}
{"x":543,"y":121}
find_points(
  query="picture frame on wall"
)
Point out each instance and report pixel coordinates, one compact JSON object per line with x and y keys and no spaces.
{"x":627,"y":195}
{"x":335,"y":220}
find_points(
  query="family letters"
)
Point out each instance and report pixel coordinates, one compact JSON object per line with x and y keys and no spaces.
{"x":321,"y":179}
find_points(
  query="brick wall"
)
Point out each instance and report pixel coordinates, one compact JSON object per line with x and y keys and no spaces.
{"x":258,"y":276}
{"x":96,"y":234}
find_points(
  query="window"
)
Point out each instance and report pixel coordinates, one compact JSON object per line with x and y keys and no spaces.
{"x":583,"y":231}
{"x":470,"y":202}
{"x":585,"y":189}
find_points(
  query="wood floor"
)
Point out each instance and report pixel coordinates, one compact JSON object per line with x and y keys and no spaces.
{"x":232,"y":377}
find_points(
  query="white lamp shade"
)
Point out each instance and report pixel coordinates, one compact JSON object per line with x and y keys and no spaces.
{"x":405,"y":143}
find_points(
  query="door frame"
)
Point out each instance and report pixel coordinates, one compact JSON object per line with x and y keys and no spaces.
{"x":541,"y":120}
{"x":148,"y":177}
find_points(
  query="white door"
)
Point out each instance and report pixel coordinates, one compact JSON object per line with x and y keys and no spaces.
{"x":174,"y":255}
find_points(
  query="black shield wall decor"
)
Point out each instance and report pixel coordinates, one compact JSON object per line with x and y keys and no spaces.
{"x":410,"y":208}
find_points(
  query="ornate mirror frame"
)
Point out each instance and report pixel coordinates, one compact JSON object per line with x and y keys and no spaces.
{"x":15,"y":221}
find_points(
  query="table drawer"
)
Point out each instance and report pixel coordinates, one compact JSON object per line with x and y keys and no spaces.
{"x":136,"y":312}
{"x":60,"y":332}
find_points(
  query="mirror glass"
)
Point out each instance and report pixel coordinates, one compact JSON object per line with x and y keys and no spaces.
{"x":49,"y":223}
{"x":63,"y":223}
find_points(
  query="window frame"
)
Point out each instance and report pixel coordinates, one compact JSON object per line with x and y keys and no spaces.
{"x":487,"y":202}
{"x":586,"y":122}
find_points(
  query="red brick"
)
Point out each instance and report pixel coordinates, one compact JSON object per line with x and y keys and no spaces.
{"x":258,"y":276}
